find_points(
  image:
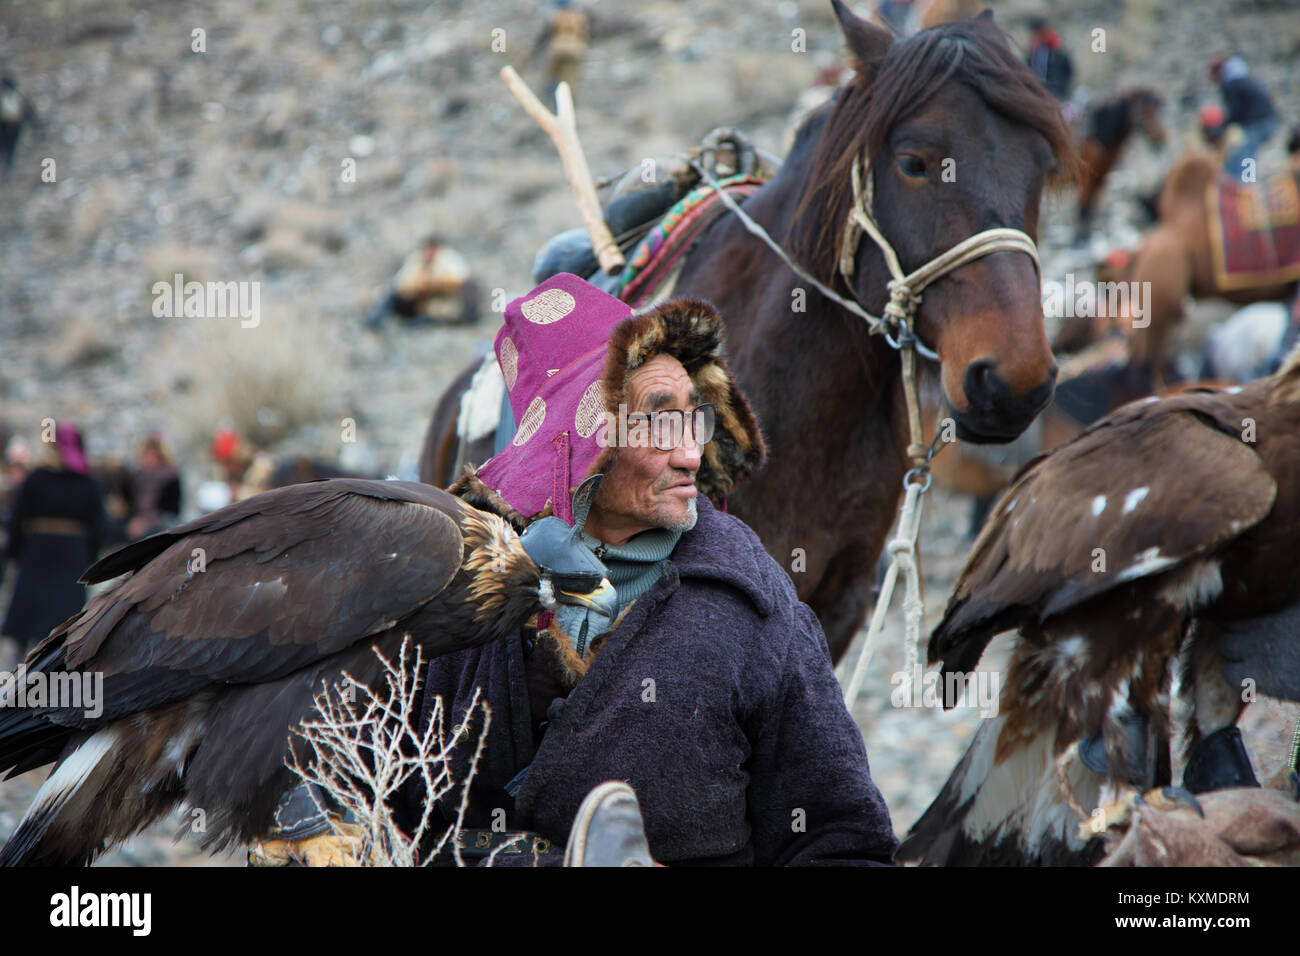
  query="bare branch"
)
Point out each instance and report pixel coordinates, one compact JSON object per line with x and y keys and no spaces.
{"x":365,"y":748}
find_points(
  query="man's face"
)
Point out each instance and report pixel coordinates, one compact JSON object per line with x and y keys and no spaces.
{"x":648,"y":488}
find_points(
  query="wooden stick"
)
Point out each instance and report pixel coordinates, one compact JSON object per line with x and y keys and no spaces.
{"x":562,"y":128}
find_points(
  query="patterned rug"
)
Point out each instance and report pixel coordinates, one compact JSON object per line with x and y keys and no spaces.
{"x":1255,"y":232}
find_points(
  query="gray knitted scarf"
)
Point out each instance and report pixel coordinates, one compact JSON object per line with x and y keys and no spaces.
{"x":634,"y":567}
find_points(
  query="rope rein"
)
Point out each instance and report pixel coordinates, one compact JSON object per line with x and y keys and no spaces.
{"x":897,"y":326}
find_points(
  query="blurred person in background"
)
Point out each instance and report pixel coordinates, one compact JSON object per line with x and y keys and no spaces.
{"x":54,"y":535}
{"x":1048,"y":59}
{"x":433,"y":285}
{"x":242,"y":471}
{"x":15,"y":110}
{"x":897,"y":15}
{"x":566,"y":38}
{"x":1248,"y":106}
{"x":17,"y":463}
{"x":154,"y":490}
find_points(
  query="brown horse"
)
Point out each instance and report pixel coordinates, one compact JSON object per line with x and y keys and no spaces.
{"x":952,"y":100}
{"x":1109,"y":127}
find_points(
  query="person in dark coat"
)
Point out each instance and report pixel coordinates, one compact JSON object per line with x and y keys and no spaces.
{"x":1048,"y":59}
{"x":54,"y":535}
{"x":1248,"y":106}
{"x":713,"y":693}
{"x":154,"y":491}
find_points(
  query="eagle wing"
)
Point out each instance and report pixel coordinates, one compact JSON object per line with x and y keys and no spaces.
{"x":260,"y":589}
{"x":1145,"y":489}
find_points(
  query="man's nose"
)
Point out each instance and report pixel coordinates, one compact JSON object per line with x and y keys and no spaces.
{"x":687,"y":455}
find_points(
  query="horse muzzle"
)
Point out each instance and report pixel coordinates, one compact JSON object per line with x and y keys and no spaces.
{"x":995,"y":413}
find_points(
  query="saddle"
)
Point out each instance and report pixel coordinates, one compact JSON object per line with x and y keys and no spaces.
{"x":1254,"y":231}
{"x":642,"y":197}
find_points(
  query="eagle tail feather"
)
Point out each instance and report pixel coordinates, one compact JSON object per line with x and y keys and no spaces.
{"x":54,"y":829}
{"x":1009,"y":810}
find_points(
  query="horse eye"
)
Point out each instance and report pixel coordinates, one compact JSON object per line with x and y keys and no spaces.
{"x":911,"y":166}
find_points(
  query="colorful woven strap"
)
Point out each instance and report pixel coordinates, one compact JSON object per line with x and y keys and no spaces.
{"x":679,"y":227}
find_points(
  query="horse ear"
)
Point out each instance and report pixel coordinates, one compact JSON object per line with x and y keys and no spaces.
{"x":867,"y":42}
{"x":985,"y":14}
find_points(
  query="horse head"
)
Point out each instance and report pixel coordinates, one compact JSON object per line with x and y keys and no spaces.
{"x":960,"y":137}
{"x":1144,"y":107}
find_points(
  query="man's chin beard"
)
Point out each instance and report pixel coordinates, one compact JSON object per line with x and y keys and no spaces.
{"x":687,"y":522}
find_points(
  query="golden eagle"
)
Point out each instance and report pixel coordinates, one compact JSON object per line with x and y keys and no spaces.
{"x":213,"y":646}
{"x":1165,"y":531}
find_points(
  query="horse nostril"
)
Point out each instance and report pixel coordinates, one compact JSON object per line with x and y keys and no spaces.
{"x":977,"y":381}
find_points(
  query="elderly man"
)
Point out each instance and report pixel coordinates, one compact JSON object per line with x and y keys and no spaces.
{"x":712,"y":692}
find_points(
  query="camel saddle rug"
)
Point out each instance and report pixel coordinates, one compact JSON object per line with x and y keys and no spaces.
{"x":1255,"y":232}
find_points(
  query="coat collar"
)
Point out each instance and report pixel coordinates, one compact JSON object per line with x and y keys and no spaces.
{"x":716,"y":549}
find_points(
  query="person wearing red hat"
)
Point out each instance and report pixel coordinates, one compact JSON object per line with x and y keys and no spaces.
{"x":1212,"y":123}
{"x":55,"y":530}
{"x":1048,"y":59}
{"x":711,"y":692}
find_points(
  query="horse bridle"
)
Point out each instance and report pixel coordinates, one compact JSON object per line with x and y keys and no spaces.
{"x":898,"y":324}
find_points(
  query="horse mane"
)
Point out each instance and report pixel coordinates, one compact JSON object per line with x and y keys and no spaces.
{"x":974,"y":52}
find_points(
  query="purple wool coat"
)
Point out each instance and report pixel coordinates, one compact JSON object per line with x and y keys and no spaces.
{"x":714,"y":698}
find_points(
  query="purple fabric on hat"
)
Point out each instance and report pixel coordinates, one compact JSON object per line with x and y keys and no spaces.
{"x":552,"y":350}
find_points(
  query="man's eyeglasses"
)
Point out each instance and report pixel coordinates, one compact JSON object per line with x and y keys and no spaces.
{"x":668,"y":425}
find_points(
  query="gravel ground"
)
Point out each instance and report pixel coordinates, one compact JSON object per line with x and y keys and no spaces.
{"x":225,"y":165}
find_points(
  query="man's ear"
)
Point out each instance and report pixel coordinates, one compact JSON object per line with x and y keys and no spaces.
{"x":867,"y":42}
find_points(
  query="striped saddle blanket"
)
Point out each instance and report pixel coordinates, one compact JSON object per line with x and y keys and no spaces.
{"x":1255,"y":232}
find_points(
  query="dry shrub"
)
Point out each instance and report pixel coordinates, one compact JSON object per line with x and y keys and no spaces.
{"x":365,"y":750}
{"x":266,"y":382}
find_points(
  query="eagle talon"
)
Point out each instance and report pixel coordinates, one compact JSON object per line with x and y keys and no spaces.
{"x":1172,"y":798}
